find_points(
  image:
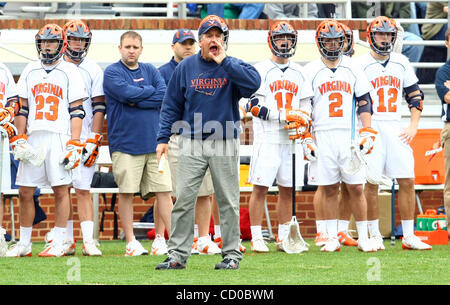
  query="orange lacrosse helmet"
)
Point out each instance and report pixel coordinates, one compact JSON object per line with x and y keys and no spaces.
{"x":223,"y":25}
{"x":330,"y":31}
{"x":50,"y":32}
{"x":279,"y":31}
{"x":349,"y":51}
{"x":77,"y":29}
{"x":382,"y":24}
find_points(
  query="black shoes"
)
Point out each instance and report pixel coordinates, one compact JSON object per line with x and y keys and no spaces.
{"x":227,"y":264}
{"x":169,"y":263}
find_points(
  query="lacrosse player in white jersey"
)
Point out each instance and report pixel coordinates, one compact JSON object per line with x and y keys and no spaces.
{"x":281,"y":110}
{"x":344,"y":203}
{"x":48,"y":142}
{"x":9,"y":107}
{"x":338,"y":83}
{"x":391,"y":74}
{"x":79,"y":38}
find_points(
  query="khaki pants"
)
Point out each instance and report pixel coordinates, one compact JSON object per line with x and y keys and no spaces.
{"x":445,"y":142}
{"x":192,"y":166}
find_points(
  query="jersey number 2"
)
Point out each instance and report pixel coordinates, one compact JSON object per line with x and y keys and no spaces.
{"x":51,"y":115}
{"x":335,"y":99}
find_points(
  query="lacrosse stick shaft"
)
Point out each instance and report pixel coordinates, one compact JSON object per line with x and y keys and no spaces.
{"x":293,"y":179}
{"x":393,"y":213}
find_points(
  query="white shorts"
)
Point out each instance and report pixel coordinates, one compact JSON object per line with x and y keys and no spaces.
{"x":333,"y":150}
{"x":273,"y":162}
{"x":82,"y":177}
{"x":391,"y":156}
{"x":50,"y":173}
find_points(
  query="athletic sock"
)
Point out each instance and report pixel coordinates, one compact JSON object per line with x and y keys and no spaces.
{"x":408,"y":227}
{"x":256,"y":232}
{"x":283,"y":231}
{"x":361,"y":227}
{"x":343,"y":225}
{"x":195,"y":231}
{"x":69,"y":230}
{"x":25,"y":235}
{"x":374,"y":227}
{"x":217,"y":232}
{"x":87,"y":230}
{"x":321,"y":226}
{"x":332,"y":228}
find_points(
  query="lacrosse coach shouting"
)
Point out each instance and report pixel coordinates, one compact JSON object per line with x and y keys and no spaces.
{"x":201,"y":103}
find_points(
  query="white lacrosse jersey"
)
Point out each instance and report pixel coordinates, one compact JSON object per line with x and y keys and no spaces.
{"x":388,"y":81}
{"x":93,"y":81}
{"x":279,"y":90}
{"x":333,"y":92}
{"x":8,"y":87}
{"x":49,"y":95}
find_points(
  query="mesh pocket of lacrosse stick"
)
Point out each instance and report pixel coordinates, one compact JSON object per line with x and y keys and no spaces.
{"x":294,"y":242}
{"x":354,"y":164}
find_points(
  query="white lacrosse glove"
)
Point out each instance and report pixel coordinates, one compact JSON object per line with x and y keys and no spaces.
{"x":24,"y":152}
{"x":6,"y":115}
{"x":297,"y":122}
{"x":367,"y":137}
{"x":9,"y":129}
{"x":72,"y":154}
{"x":309,"y":147}
{"x":90,"y":150}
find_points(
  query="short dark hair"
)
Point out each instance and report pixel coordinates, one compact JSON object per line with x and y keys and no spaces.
{"x":131,"y":34}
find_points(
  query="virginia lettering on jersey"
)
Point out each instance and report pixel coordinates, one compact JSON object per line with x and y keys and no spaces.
{"x":284,"y":84}
{"x":336,"y":85}
{"x":208,"y":83}
{"x":47,"y":88}
{"x":387,"y":80}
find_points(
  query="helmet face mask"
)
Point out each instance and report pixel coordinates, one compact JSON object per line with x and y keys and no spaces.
{"x":330,"y":39}
{"x":386,"y":26}
{"x":48,"y":35}
{"x":78,"y":39}
{"x":348,"y":49}
{"x":282,"y":40}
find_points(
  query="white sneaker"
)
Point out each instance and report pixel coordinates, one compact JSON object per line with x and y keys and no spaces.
{"x":259,"y":246}
{"x":3,"y":244}
{"x":242,"y":248}
{"x":367,"y":245}
{"x":69,"y":247}
{"x":332,"y":245}
{"x":90,"y":248}
{"x":208,"y":248}
{"x":159,"y":246}
{"x":53,"y":250}
{"x":413,"y":242}
{"x":19,"y":250}
{"x":194,"y":250}
{"x":134,"y":248}
{"x":378,"y":242}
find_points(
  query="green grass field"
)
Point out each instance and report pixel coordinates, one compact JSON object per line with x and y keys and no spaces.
{"x":393,"y":266}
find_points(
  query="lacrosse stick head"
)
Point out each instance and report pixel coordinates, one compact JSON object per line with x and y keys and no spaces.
{"x":353,"y":164}
{"x":374,"y":178}
{"x":294,"y":242}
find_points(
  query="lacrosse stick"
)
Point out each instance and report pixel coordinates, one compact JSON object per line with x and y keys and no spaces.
{"x":294,"y":242}
{"x":371,"y":176}
{"x":354,"y":164}
{"x":393,"y":213}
